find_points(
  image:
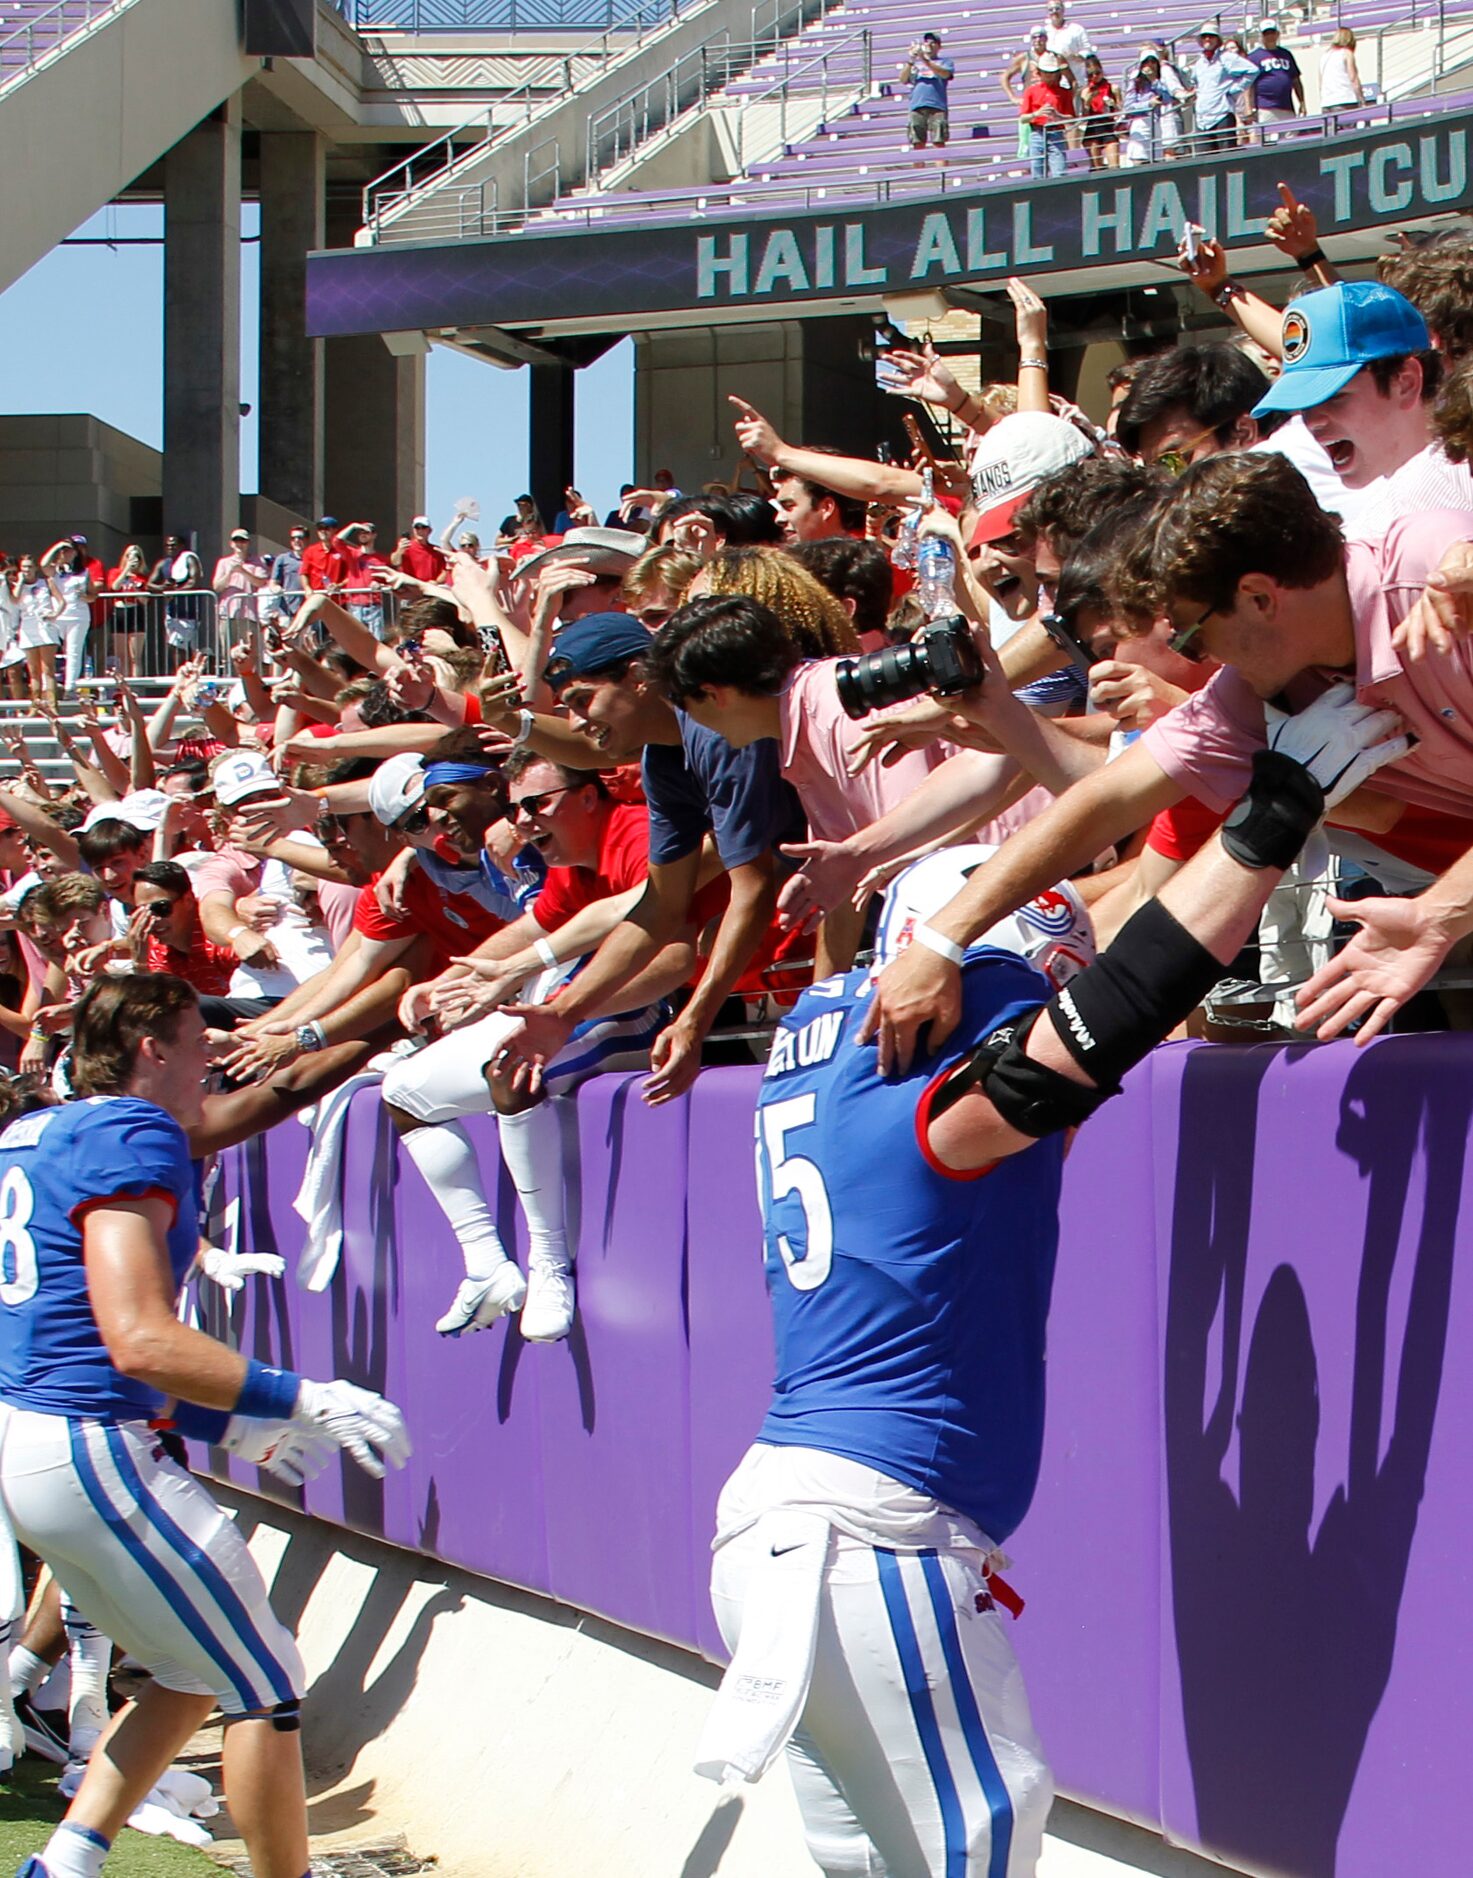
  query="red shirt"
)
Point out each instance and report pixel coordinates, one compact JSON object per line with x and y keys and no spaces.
{"x":422,"y":560}
{"x":623,"y":862}
{"x":206,"y":966}
{"x":1422,"y":837}
{"x":1039,"y":96}
{"x":323,"y":568}
{"x":454,"y":922}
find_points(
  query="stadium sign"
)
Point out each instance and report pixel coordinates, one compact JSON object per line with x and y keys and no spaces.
{"x":773,"y":262}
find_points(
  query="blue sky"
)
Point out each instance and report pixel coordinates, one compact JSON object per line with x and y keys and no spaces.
{"x":64,"y":357}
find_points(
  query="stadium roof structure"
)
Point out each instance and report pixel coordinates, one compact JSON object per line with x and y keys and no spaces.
{"x":585,"y":273}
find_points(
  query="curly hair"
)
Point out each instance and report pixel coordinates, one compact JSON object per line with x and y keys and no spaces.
{"x":1452,"y":415}
{"x":1242,"y":513}
{"x":1437,"y":277}
{"x":810,"y":615}
{"x":1067,"y":505}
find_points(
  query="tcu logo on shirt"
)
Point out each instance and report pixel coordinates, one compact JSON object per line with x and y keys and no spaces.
{"x":1296,"y":336}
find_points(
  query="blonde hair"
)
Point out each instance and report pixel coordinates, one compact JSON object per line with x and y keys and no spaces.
{"x":1346,"y":38}
{"x":668,"y":567}
{"x":810,"y":615}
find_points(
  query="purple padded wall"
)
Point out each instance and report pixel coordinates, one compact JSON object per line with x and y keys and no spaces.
{"x":1246,"y":1565}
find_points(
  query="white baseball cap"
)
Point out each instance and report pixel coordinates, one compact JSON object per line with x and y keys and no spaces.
{"x":1015,"y":456}
{"x":421,"y":521}
{"x":1053,"y":931}
{"x":240,"y":774}
{"x":601,"y":550}
{"x":143,"y":809}
{"x":1050,"y":62}
{"x":1209,"y":28}
{"x":396,"y":786}
{"x":1268,"y":26}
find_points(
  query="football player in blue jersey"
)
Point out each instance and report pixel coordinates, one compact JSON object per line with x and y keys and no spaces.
{"x":98,"y":1226}
{"x":852,"y":1574}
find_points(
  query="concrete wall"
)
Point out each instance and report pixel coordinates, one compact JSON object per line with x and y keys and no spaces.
{"x":507,"y":1736}
{"x":125,"y":94}
{"x":73,"y":474}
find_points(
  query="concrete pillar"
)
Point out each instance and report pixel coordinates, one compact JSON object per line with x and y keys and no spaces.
{"x":374,"y":440}
{"x":201,"y":481}
{"x":813,"y":378}
{"x":292,"y":402}
{"x":550,"y":438}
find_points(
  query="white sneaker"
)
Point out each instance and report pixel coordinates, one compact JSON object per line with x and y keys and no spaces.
{"x":547,"y":1315}
{"x":480,"y":1301}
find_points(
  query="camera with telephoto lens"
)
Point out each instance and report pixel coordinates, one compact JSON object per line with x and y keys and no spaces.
{"x":942,"y":660}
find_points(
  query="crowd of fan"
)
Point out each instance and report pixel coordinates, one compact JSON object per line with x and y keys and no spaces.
{"x":1162,"y":109}
{"x":593,"y":794}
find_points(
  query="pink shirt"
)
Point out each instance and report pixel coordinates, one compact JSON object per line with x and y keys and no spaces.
{"x":814,"y":744}
{"x":1207,"y":744}
{"x":227,"y":870}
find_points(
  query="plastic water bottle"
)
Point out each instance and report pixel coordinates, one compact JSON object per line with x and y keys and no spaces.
{"x":936,"y":576}
{"x":908,"y":535}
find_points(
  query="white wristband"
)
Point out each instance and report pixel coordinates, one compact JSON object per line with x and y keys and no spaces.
{"x":938,"y":943}
{"x":545,"y":952}
{"x":230,"y":937}
{"x":524,"y":729}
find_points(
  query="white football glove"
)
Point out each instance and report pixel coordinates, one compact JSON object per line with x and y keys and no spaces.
{"x":1341,"y":742}
{"x":369,"y":1427}
{"x":229,"y":1270}
{"x":294,"y":1453}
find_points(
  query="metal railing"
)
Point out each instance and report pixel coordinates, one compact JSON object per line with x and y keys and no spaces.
{"x":25,"y":47}
{"x":453,"y":16}
{"x":701,"y":75}
{"x":553,"y":80}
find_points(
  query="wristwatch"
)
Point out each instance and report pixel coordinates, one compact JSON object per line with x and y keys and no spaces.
{"x":310,"y":1037}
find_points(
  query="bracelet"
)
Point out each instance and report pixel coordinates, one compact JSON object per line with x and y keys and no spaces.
{"x":268,"y":1393}
{"x":1311,"y":260}
{"x":231,"y":936}
{"x":38,"y":1035}
{"x":1226,"y":293}
{"x":524,"y":729}
{"x":545,"y":952}
{"x":1039,"y":365}
{"x":938,"y":943}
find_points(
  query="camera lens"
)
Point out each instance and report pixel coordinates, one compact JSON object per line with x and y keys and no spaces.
{"x":878,"y":678}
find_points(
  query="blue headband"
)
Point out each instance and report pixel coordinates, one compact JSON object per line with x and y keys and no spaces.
{"x":437,"y":774}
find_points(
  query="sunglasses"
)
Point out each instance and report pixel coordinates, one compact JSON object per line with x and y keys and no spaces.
{"x":414,"y":822}
{"x":1182,"y":642}
{"x":1178,"y":459}
{"x":157,"y":909}
{"x":534,"y":805}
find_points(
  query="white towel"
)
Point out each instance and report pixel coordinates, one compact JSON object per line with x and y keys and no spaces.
{"x":320,"y":1201}
{"x":766,"y":1683}
{"x":172,"y":1809}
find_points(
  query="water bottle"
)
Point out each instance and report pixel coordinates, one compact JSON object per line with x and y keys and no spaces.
{"x":936,"y":577}
{"x":904,"y":552}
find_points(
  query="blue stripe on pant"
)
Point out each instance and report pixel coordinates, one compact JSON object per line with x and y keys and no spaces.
{"x":984,"y":1761}
{"x":153,"y":1569}
{"x":207,"y":1571}
{"x":923,"y":1710}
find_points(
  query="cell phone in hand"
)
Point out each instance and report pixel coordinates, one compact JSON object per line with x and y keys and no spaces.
{"x":1061,"y":630}
{"x":1191,"y":238}
{"x":272,"y":639}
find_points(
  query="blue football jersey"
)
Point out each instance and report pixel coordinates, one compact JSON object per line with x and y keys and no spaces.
{"x":909,"y":1305}
{"x":54,"y":1164}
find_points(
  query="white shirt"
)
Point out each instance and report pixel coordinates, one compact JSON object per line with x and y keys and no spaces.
{"x":74,"y":609}
{"x":1069,"y":41}
{"x":1429,"y":480}
{"x":303,"y":948}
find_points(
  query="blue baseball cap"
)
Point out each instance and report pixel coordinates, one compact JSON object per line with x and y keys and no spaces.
{"x":593,"y":644}
{"x":1331,"y":334}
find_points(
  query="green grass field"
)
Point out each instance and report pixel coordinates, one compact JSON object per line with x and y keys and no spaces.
{"x":30,"y":1806}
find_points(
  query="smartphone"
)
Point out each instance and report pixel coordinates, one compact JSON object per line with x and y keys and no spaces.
{"x":272,"y":639}
{"x":1062,"y":632}
{"x":1191,"y":236}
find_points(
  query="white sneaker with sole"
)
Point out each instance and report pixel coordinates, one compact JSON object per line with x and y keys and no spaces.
{"x":480,"y":1301}
{"x":547,"y":1315}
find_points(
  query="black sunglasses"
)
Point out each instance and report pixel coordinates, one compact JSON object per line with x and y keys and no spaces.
{"x":534,"y":805}
{"x":415,"y":822}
